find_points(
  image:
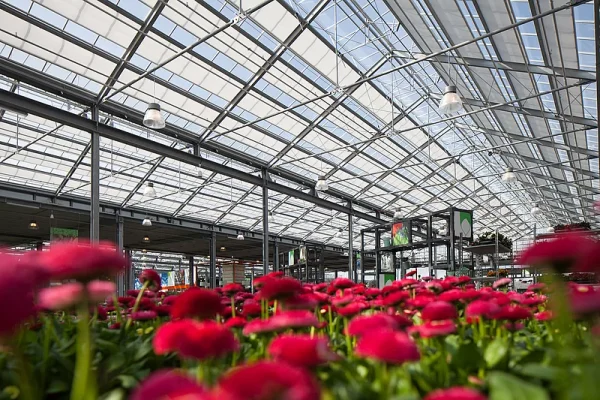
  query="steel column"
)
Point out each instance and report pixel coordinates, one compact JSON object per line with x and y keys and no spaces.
{"x":213,"y":260}
{"x":122,"y":276}
{"x":362,"y":256}
{"x":275,"y":255}
{"x":265,"y":243}
{"x":597,"y":37}
{"x":95,"y":179}
{"x":351,"y":265}
{"x":377,"y":254}
{"x":191,"y":272}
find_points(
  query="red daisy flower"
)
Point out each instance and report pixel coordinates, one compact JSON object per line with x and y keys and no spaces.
{"x":232,"y":288}
{"x":387,"y":346}
{"x":153,"y":279}
{"x":274,"y":289}
{"x":455,"y":393}
{"x":169,"y":384}
{"x":301,"y":350}
{"x":143,"y":315}
{"x":363,"y":324}
{"x":435,"y":328}
{"x":197,"y":303}
{"x":438,"y":310}
{"x":559,"y":254}
{"x":512,"y":312}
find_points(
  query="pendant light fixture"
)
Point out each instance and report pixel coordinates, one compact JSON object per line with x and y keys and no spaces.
{"x":550,"y":229}
{"x":149,"y":190}
{"x":240,"y":236}
{"x":509,"y":175}
{"x":147,"y":222}
{"x":153,"y":118}
{"x":33,"y":225}
{"x":146,"y":239}
{"x":338,"y":233}
{"x":535,"y":210}
{"x":321,"y":185}
{"x":271,"y":217}
{"x":397,"y":214}
{"x":451,"y":102}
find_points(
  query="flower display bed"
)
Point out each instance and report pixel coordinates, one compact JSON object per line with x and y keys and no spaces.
{"x":415,"y":339}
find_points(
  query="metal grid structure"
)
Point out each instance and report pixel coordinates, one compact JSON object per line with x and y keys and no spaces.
{"x":261,"y":98}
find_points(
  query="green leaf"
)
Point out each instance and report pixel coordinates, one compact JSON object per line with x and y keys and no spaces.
{"x":115,"y":362}
{"x":539,"y":371}
{"x":495,"y":352}
{"x":468,"y":357}
{"x":116,"y":394}
{"x":57,"y":386}
{"x":129,"y":382}
{"x":143,"y":350}
{"x":505,"y":386}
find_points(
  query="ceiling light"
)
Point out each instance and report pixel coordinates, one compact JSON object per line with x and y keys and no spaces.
{"x":153,"y":118}
{"x":509,"y":175}
{"x":397,"y":214}
{"x":321,"y":185}
{"x":146,"y":239}
{"x":338,"y":233}
{"x":550,"y":230}
{"x":240,"y":236}
{"x":147,"y":222}
{"x":223,"y":248}
{"x":33,"y":225}
{"x":149,"y":190}
{"x":535,"y":210}
{"x":271,"y":217}
{"x":51,"y":214}
{"x":451,"y":102}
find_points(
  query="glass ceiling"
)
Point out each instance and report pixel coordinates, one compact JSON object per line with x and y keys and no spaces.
{"x":279,"y":87}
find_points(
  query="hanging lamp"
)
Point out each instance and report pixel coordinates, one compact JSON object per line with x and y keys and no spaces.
{"x":338,"y":233}
{"x":271,"y":217}
{"x":321,"y":185}
{"x":153,"y":118}
{"x":147,"y":222}
{"x":33,"y":225}
{"x":451,"y":102}
{"x":535,"y":210}
{"x":146,"y":239}
{"x":550,"y":230}
{"x":240,"y":236}
{"x":397,"y":214}
{"x":509,"y":175}
{"x":149,"y":190}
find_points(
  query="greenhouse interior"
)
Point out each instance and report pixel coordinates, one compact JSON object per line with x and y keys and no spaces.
{"x":299,"y":199}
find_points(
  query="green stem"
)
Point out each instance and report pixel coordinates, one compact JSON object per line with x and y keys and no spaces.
{"x":48,"y":326}
{"x":117,"y":309}
{"x":232,"y":307}
{"x":84,"y":383}
{"x":137,"y":302}
{"x":348,"y":338}
{"x":25,"y":375}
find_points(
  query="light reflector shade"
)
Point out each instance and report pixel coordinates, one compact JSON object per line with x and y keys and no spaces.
{"x":509,"y":176}
{"x":321,"y":185}
{"x":550,"y":229}
{"x":535,"y":210}
{"x":153,"y":118}
{"x":147,"y":222}
{"x":149,"y":190}
{"x":451,"y":102}
{"x":240,"y":236}
{"x":397,"y":214}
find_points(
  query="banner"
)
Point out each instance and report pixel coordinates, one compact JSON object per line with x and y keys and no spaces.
{"x":291,"y":257}
{"x":463,"y":223}
{"x":399,"y":234}
{"x":59,"y":234}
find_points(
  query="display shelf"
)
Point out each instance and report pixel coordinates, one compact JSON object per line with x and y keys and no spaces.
{"x":483,"y":249}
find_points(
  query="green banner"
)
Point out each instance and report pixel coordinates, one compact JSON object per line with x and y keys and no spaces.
{"x":57,"y":234}
{"x":463,"y":223}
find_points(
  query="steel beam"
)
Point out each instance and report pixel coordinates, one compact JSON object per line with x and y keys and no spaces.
{"x":61,"y":116}
{"x":132,"y":48}
{"x":213,"y":261}
{"x":597,"y":43}
{"x":351,"y":264}
{"x":95,"y":177}
{"x":262,"y":71}
{"x":122,"y":276}
{"x":508,"y":66}
{"x":265,"y":223}
{"x":73,"y":168}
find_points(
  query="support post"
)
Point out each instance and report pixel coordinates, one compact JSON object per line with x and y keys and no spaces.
{"x":130,"y":275}
{"x":362,"y":256}
{"x":122,"y":276}
{"x":452,"y":259}
{"x":213,"y":260}
{"x":275,"y":255}
{"x":597,"y":36}
{"x":95,"y":179}
{"x":191,"y":272}
{"x":351,"y":267}
{"x":496,"y":257}
{"x":265,"y":206}
{"x":322,"y":265}
{"x":430,"y":243}
{"x":377,"y":253}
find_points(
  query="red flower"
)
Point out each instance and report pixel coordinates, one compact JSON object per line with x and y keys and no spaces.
{"x":584,"y":300}
{"x":455,"y":393}
{"x":163,"y":310}
{"x":435,"y":328}
{"x":401,"y":320}
{"x":419,"y":301}
{"x":235,"y":322}
{"x":395,"y":299}
{"x":126,"y":301}
{"x":61,"y":297}
{"x":133,"y":293}
{"x":387,"y":346}
{"x":151,"y":276}
{"x":363,"y":324}
{"x":102,"y":313}
{"x":146,"y":304}
{"x":463,"y":279}
{"x":342,"y":283}
{"x":451,"y":296}
{"x":193,"y":339}
{"x":265,"y":380}
{"x":81,"y":260}
{"x":320,"y":287}
{"x":170,"y":385}
{"x":344,"y":300}
{"x":116,"y":325}
{"x":512,"y":313}
{"x":434,"y":286}
{"x":251,"y":308}
{"x":273,"y":289}
{"x":352,"y":309}
{"x":537,"y":287}
{"x":143,"y":315}
{"x":232,"y":288}
{"x":282,"y":321}
{"x":371,"y":293}
{"x":411,"y":273}
{"x":406,"y":283}
{"x":438,"y":310}
{"x":502,"y":282}
{"x":196,"y":303}
{"x":481,"y":308}
{"x":560,"y":253}
{"x":305,"y":301}
{"x":301,"y":350}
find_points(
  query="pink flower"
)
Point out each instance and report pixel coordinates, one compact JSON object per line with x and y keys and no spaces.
{"x":153,"y":279}
{"x":197,"y":303}
{"x":438,"y":310}
{"x":559,"y":254}
{"x":342,"y":283}
{"x":61,"y":297}
{"x":481,"y":308}
{"x":273,"y":289}
{"x":232,"y":288}
{"x":168,"y":384}
{"x":282,"y":321}
{"x":143,"y":315}
{"x":236,"y":322}
{"x":363,"y":324}
{"x":193,"y":339}
{"x":301,"y":350}
{"x":502,"y":282}
{"x":98,"y":291}
{"x":435,"y":328}
{"x":387,"y":346}
{"x":268,"y":380}
{"x":352,"y":309}
{"x":82,"y":260}
{"x":455,"y":393}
